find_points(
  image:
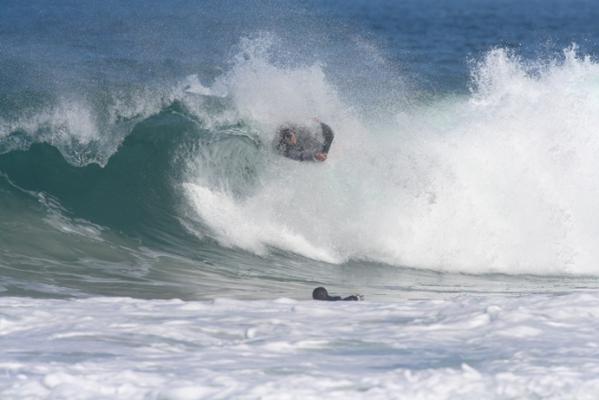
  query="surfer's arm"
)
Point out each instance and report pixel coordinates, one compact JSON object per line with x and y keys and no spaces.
{"x":326,"y":130}
{"x":299,"y":155}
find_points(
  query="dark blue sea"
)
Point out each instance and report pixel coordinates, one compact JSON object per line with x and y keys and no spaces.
{"x":154,"y":245}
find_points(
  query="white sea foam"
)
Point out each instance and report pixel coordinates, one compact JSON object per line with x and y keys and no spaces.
{"x":86,"y":131}
{"x":502,"y":180}
{"x":526,"y":347}
{"x":242,"y":226}
{"x":66,"y":122}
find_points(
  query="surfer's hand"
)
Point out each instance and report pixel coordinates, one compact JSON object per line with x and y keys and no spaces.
{"x":320,"y":156}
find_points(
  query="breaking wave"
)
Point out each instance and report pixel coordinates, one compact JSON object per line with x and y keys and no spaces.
{"x":503,"y":179}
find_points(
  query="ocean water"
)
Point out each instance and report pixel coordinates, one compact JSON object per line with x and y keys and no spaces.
{"x":152,"y":246}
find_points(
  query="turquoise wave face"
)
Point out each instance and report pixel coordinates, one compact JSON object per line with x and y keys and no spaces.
{"x":131,"y":191}
{"x":114,"y":225}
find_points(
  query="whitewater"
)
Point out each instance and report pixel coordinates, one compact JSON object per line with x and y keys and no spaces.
{"x":466,"y":348}
{"x":153,"y":246}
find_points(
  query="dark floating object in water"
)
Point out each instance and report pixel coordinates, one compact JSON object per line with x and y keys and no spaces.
{"x":321,"y":293}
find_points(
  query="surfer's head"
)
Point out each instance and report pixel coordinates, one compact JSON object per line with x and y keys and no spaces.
{"x":320,"y":293}
{"x":287,"y":136}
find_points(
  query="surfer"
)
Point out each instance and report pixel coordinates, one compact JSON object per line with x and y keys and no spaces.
{"x":321,"y":293}
{"x":298,"y":143}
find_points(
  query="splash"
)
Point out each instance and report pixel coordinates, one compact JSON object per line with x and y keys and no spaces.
{"x":502,"y":180}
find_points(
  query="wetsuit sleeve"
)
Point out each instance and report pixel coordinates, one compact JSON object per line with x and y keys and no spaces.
{"x":299,"y":155}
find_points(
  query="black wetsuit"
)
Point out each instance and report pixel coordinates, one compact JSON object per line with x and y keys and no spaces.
{"x":321,"y":293}
{"x":307,"y":145}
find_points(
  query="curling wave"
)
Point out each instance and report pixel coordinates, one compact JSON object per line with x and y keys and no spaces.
{"x":500,"y":180}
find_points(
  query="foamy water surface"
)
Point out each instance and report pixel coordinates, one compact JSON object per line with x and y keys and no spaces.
{"x":492,"y":347}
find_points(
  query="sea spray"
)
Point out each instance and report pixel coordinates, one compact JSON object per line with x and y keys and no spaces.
{"x":501,"y":180}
